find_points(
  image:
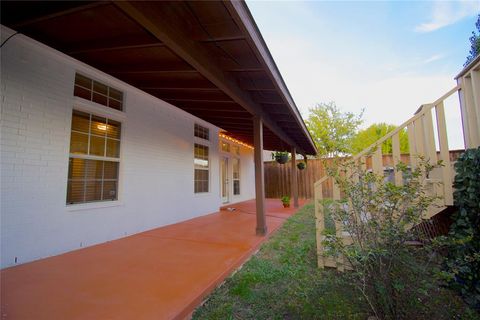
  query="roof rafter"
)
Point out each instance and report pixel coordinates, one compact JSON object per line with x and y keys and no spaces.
{"x":169,"y":31}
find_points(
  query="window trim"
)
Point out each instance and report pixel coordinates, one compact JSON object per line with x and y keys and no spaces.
{"x":87,"y":106}
{"x":94,"y":205}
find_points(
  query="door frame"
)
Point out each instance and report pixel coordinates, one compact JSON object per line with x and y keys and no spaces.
{"x":225,"y":178}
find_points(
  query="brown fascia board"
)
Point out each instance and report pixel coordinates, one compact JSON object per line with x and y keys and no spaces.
{"x":242,"y":15}
{"x":468,"y":67}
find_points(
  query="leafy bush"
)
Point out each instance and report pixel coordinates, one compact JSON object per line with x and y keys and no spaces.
{"x":285,"y":200}
{"x":463,"y":260}
{"x":377,"y":217}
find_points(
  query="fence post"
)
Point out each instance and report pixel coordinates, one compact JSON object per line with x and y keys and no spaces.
{"x":320,"y":222}
{"x":338,"y":227}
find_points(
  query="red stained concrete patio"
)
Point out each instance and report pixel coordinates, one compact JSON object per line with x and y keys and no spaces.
{"x":163,"y":273}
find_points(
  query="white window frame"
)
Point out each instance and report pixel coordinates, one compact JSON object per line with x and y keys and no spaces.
{"x":203,"y":127}
{"x":92,"y":92}
{"x":98,"y":203}
{"x":206,"y":143}
{"x":237,"y":158}
{"x":209,"y":186}
{"x":100,"y":110}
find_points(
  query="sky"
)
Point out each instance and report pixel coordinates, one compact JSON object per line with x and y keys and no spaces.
{"x":386,"y":57}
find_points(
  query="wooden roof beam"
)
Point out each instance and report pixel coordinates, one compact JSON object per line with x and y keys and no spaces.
{"x":242,"y":119}
{"x":250,"y":88}
{"x":162,"y":22}
{"x":180,"y":89}
{"x":131,"y":42}
{"x":223,"y":39}
{"x":213,"y":111}
{"x":272,"y":103}
{"x":174,"y":100}
{"x":245,"y":70}
{"x":154,"y":71}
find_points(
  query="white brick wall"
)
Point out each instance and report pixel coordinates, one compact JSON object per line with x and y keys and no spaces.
{"x":156,"y":168}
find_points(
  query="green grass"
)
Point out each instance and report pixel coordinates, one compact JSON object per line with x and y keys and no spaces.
{"x":282,"y":281}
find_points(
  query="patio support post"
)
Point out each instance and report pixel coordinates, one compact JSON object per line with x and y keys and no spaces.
{"x":294,"y":178}
{"x":259,"y":177}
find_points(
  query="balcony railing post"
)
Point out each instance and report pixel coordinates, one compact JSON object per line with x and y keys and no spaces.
{"x":444,"y":154}
{"x":411,"y":145}
{"x":469,"y":104}
{"x":396,"y":158}
{"x":429,"y":138}
{"x":418,"y":135}
{"x":377,"y":161}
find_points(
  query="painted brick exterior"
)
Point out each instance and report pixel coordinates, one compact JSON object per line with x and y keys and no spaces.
{"x":156,"y":166}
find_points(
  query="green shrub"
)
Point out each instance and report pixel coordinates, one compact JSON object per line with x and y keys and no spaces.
{"x":377,"y":217}
{"x":285,"y":200}
{"x":463,"y":259}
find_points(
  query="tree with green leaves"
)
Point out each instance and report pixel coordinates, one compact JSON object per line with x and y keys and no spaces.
{"x":366,"y":137}
{"x":475,"y":44}
{"x":332,"y":130}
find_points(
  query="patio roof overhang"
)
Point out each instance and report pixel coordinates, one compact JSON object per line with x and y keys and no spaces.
{"x":207,"y":58}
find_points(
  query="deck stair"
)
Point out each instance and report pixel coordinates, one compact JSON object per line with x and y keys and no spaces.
{"x":423,"y":143}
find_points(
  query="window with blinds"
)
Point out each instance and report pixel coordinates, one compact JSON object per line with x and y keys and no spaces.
{"x":97,"y":92}
{"x":201,"y":171}
{"x":94,"y":159}
{"x":236,"y":176}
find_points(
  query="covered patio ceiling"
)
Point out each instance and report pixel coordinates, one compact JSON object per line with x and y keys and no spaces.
{"x":207,"y":58}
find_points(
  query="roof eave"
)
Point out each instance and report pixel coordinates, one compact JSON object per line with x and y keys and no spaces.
{"x":244,"y":15}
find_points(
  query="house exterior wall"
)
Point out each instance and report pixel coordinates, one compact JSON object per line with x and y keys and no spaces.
{"x":156,"y":159}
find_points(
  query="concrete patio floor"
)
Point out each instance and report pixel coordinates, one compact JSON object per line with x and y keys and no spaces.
{"x":163,"y":273}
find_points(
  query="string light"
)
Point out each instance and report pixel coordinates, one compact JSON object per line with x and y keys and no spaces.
{"x":224,"y":136}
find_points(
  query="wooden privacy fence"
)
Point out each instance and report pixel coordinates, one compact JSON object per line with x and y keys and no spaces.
{"x":278,"y":176}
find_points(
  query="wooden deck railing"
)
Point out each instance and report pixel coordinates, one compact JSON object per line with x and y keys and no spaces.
{"x":422,"y":143}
